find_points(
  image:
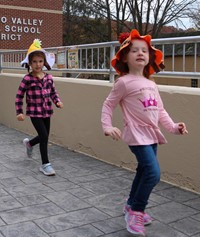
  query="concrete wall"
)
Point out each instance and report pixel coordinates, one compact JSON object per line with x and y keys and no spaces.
{"x":77,"y":126}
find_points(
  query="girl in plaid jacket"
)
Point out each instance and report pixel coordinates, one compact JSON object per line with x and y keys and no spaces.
{"x":40,"y":91}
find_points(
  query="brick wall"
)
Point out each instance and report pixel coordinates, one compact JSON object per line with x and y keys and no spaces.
{"x":23,"y":21}
{"x":46,"y":4}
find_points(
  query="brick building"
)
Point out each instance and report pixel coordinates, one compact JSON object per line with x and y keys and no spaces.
{"x":22,"y":21}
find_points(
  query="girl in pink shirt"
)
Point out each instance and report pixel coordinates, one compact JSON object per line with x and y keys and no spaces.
{"x":143,"y":111}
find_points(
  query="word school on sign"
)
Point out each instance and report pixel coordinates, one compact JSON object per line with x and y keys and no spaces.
{"x":22,"y":29}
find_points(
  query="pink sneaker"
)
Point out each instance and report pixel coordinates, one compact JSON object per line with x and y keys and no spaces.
{"x":147,"y":218}
{"x":135,"y":223}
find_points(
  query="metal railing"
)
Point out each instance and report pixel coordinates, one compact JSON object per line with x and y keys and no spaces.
{"x":95,"y":58}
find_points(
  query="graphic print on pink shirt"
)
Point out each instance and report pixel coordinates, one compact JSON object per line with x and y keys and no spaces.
{"x":147,"y":102}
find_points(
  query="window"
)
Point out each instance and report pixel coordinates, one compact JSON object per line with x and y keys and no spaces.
{"x":194,"y":82}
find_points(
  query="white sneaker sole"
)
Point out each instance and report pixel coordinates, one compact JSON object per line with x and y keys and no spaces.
{"x":133,"y":232}
{"x":29,"y":154}
{"x":47,"y":174}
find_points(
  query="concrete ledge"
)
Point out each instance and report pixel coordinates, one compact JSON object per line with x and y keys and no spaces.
{"x":78,"y":126}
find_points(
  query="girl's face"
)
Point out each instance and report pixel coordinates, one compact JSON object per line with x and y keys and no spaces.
{"x":37,"y":63}
{"x":138,"y":56}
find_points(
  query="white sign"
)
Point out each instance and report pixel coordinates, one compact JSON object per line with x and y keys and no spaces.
{"x":73,"y":58}
{"x":61,"y":58}
{"x":15,"y":27}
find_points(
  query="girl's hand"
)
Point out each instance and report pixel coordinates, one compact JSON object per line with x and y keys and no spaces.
{"x":60,"y":104}
{"x":182,"y":128}
{"x":113,"y":132}
{"x":20,"y":117}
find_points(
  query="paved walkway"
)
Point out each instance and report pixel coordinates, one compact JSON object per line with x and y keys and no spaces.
{"x":84,"y":199}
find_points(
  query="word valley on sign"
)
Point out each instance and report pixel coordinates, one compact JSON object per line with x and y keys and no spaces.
{"x":19,"y":21}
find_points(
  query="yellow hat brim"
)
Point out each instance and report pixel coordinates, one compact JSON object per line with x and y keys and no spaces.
{"x":50,"y":57}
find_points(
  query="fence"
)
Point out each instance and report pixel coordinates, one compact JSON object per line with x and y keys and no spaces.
{"x":95,"y":58}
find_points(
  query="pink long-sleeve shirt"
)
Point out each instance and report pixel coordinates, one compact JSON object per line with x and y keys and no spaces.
{"x":142,"y":110}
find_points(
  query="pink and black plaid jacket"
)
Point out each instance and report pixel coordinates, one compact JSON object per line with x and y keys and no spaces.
{"x":39,"y":94}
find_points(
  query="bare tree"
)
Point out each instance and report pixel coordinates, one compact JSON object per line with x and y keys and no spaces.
{"x":149,"y":16}
{"x":194,"y":14}
{"x":122,"y":15}
{"x":102,"y":20}
{"x":115,"y":14}
{"x":81,"y":23}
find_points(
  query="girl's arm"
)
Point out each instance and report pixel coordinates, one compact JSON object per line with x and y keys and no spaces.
{"x":20,"y":95}
{"x":113,"y":99}
{"x":54,"y":95}
{"x":166,"y":121}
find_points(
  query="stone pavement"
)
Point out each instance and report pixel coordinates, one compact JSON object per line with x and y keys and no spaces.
{"x":84,"y":199}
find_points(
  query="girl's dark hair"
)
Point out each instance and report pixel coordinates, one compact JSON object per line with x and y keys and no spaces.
{"x":123,"y":67}
{"x":39,"y":54}
{"x":120,"y":64}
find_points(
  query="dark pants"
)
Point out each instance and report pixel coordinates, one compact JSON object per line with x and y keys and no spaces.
{"x":146,"y":178}
{"x":42,"y":126}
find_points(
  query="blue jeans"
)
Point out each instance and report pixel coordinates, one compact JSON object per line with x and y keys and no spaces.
{"x":146,"y":178}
